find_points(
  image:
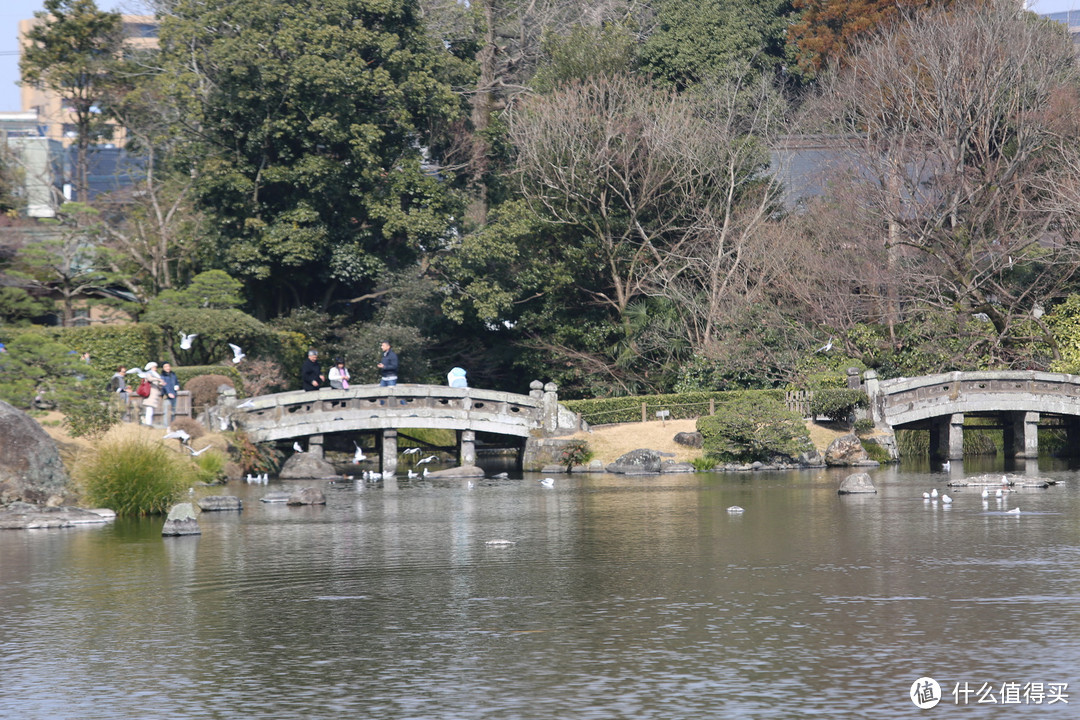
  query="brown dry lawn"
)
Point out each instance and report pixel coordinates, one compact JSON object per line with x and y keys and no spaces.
{"x":609,"y":442}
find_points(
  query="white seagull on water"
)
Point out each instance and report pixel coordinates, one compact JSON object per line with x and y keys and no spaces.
{"x":296,"y":447}
{"x":548,"y":482}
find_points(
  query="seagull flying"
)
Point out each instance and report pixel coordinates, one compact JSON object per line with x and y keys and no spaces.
{"x":359,"y":456}
{"x":238,"y":354}
{"x":296,"y":447}
{"x":185,"y":340}
{"x":426,"y":460}
{"x":411,"y":451}
{"x":196,"y":453}
{"x":826,"y":347}
{"x":180,"y":435}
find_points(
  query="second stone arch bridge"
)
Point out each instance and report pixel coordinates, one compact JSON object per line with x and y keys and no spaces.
{"x":1018,"y":401}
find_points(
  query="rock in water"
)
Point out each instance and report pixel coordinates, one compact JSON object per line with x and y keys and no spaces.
{"x":857,"y":483}
{"x":307,"y":496}
{"x":30,"y":467}
{"x":306,"y":465}
{"x":181,"y":521}
{"x":219,"y":502}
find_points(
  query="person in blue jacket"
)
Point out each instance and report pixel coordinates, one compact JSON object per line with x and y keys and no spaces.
{"x":388,"y":366}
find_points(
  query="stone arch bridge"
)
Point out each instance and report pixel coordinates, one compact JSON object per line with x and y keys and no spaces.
{"x":1019,"y":400}
{"x":311,"y":416}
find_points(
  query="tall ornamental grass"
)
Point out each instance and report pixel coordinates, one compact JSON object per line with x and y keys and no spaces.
{"x":134,"y":476}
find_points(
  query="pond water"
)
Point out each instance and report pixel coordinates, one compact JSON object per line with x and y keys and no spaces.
{"x":619,"y":597}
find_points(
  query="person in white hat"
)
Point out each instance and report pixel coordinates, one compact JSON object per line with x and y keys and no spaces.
{"x":152,"y":401}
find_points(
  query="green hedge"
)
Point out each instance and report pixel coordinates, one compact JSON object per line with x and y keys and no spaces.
{"x":605,"y":411}
{"x":110,"y":346}
{"x":837,"y":404}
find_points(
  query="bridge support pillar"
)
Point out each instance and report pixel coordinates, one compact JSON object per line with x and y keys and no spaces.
{"x":467,"y":448}
{"x":315,"y":446}
{"x":1072,"y":436}
{"x":947,"y":438}
{"x":1022,"y":435}
{"x":388,"y":453}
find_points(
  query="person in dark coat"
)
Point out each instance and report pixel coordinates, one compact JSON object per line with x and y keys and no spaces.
{"x":310,"y":373}
{"x":388,"y":366}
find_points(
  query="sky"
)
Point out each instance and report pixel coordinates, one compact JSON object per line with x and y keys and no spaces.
{"x":12,"y":11}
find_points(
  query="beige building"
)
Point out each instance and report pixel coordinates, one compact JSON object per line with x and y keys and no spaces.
{"x":140,"y":31}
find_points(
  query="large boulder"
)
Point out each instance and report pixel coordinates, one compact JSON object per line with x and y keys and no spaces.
{"x":637,"y":462}
{"x":689,"y":439}
{"x":304,"y":465}
{"x":30,"y":467}
{"x":845,"y":450}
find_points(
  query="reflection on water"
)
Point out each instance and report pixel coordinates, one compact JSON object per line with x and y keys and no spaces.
{"x":618,"y":598}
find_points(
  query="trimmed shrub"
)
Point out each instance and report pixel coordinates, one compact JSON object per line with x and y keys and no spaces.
{"x":133,"y":476}
{"x":204,"y":389}
{"x":864,"y":426}
{"x":576,"y":452}
{"x":746,"y":429}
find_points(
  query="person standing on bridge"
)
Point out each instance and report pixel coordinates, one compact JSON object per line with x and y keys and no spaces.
{"x":339,"y":375}
{"x":388,"y":366}
{"x":310,"y":373}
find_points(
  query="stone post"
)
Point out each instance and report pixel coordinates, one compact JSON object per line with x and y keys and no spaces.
{"x":873,"y":391}
{"x":549,"y":407}
{"x":315,"y":446}
{"x":388,"y":456}
{"x":467,"y":448}
{"x":853,"y":380}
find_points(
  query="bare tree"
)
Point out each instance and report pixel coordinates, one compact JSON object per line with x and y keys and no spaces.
{"x":952,"y":127}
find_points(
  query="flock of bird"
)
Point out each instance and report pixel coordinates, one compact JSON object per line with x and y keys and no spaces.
{"x":186,"y":340}
{"x":933,"y":496}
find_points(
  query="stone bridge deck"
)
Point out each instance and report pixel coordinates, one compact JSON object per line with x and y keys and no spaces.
{"x":385,"y":410}
{"x":940,"y":402}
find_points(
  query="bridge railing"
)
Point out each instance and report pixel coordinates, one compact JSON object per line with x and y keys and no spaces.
{"x":299,"y":413}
